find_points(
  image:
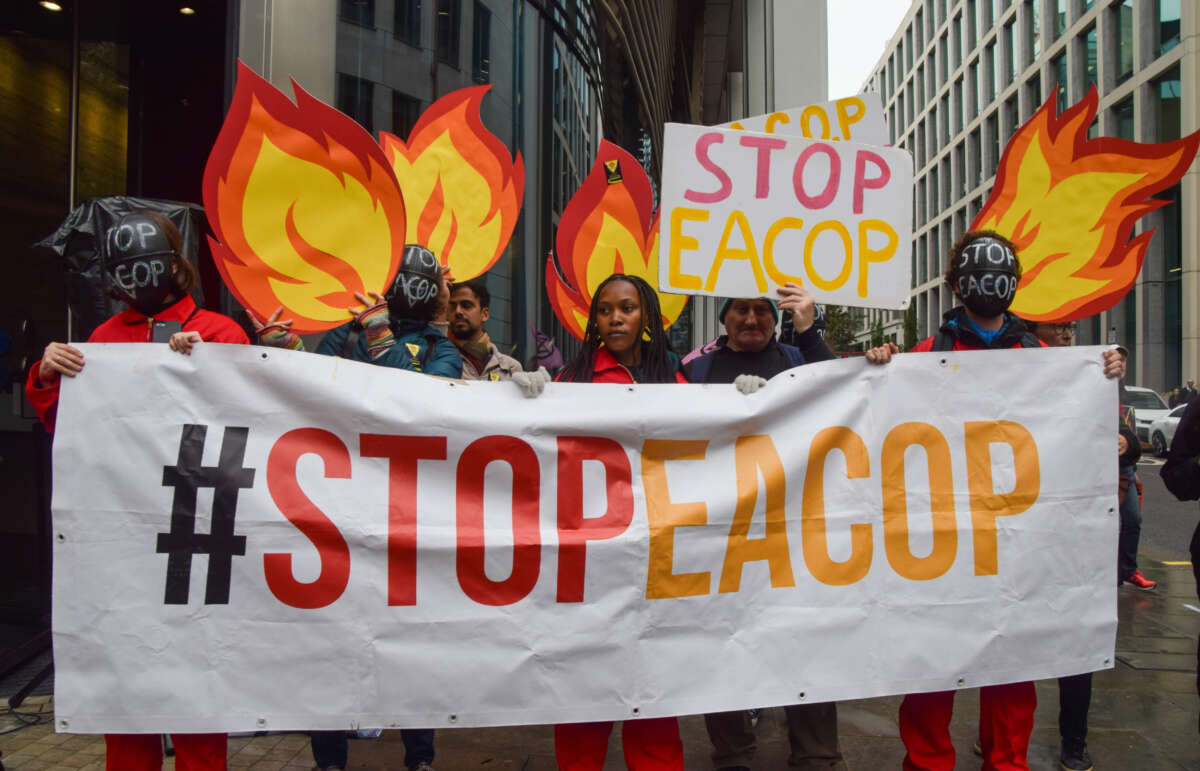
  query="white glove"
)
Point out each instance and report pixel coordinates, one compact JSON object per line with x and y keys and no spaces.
{"x":532,"y":383}
{"x":748,"y":384}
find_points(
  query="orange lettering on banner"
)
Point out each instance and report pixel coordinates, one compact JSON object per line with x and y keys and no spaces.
{"x":526,"y":496}
{"x":661,"y":580}
{"x":752,"y":454}
{"x":747,"y":252}
{"x":402,"y":453}
{"x":574,"y":529}
{"x":813,"y":526}
{"x":302,"y":512}
{"x":680,"y":242}
{"x":895,"y":502}
{"x":986,"y":503}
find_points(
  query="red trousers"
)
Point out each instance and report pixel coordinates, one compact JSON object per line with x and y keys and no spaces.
{"x":649,"y":745}
{"x":1005,"y":723}
{"x":143,"y":752}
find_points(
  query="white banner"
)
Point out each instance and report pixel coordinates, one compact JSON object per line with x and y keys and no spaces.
{"x":859,"y":118}
{"x":743,"y":213}
{"x":257,"y":539}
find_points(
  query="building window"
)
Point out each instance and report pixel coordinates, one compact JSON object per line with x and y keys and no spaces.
{"x":993,"y":132}
{"x":446,"y":29}
{"x":1059,"y":25}
{"x":960,"y":169}
{"x":975,"y":158}
{"x":1012,"y":115}
{"x":360,"y":12}
{"x":1010,"y":53}
{"x":1168,"y":25}
{"x":943,"y":53}
{"x":944,"y":119}
{"x":971,"y":107}
{"x":972,"y":24}
{"x":355,"y":98}
{"x":1089,"y":68}
{"x":1123,"y":21}
{"x":481,"y":47}
{"x":956,"y":42}
{"x":408,"y":22}
{"x":1123,"y":112}
{"x":918,"y":29}
{"x":1059,"y":66}
{"x":960,"y":112}
{"x":405,"y":112}
{"x":1033,"y":9}
{"x":1034,"y":85}
{"x":1167,"y":89}
{"x":989,"y":77}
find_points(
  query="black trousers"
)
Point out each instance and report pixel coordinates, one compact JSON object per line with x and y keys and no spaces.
{"x":1194,"y":550}
{"x":1074,"y":698}
{"x":332,"y":748}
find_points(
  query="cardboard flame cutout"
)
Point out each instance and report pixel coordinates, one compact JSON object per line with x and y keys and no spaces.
{"x":462,"y":189}
{"x":607,"y":227}
{"x":1069,"y":204}
{"x":274,"y":179}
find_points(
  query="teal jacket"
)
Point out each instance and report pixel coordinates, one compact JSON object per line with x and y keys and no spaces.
{"x":419,"y":348}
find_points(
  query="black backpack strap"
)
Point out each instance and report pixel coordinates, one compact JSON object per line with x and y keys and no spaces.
{"x":942,"y":341}
{"x":1030,"y":340}
{"x":430,"y":342}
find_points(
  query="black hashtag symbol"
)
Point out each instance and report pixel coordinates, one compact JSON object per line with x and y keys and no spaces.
{"x":220,"y":544}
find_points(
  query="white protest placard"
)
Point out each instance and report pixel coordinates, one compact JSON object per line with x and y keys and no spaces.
{"x":252,"y":539}
{"x":859,"y":118}
{"x":743,"y":213}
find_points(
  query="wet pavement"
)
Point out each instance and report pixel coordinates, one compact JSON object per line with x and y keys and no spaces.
{"x":1143,"y":718}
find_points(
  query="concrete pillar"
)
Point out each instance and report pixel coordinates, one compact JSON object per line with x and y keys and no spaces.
{"x":1189,"y":72}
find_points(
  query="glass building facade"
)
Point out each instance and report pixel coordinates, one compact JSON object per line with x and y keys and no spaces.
{"x":1024,"y":51}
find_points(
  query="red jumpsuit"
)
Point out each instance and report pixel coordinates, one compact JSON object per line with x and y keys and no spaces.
{"x":143,"y":752}
{"x":650,"y":744}
{"x":1005,"y":711}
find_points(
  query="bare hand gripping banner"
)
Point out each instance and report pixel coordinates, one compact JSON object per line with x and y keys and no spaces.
{"x":252,"y":539}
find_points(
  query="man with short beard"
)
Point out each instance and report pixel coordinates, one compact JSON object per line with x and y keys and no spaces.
{"x":469,"y":309}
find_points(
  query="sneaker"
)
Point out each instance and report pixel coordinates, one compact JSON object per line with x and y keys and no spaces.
{"x":1075,"y":759}
{"x":422,"y":767}
{"x":977,"y":749}
{"x":1140,"y":581}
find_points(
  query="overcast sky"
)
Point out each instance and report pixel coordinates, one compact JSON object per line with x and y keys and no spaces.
{"x":858,"y":32}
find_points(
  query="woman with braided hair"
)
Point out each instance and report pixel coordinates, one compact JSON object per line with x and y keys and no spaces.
{"x":624,"y":342}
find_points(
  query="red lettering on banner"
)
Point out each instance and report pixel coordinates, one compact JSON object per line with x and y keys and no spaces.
{"x":402,"y":453}
{"x":829,"y":192}
{"x":575,"y":530}
{"x":300,"y":511}
{"x":764,"y":146}
{"x":722,"y":192}
{"x":526,"y":496}
{"x":862,"y":181}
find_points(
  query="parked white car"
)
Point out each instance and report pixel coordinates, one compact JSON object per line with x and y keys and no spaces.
{"x":1163,"y":430}
{"x":1148,"y":407}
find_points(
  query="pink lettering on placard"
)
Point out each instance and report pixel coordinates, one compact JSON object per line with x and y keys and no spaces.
{"x":702,"y":145}
{"x":862,"y":181}
{"x":764,"y":146}
{"x":826,"y":196}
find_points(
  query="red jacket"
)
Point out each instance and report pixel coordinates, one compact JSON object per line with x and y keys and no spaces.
{"x":129,"y":326}
{"x":608,"y":370}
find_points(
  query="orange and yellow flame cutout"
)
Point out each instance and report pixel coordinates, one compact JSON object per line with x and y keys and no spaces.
{"x":308,"y":209}
{"x":606,"y":228}
{"x":1069,"y":203}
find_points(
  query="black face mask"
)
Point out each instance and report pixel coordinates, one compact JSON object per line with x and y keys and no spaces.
{"x":987,"y":277}
{"x":415,"y":290}
{"x":140,"y":264}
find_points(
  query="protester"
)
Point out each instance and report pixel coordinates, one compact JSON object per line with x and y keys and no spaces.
{"x":469,"y":308}
{"x":748,"y":355}
{"x":1181,"y":473}
{"x":983,"y":274}
{"x":623,"y":313}
{"x":392,"y":330}
{"x":1075,"y":691}
{"x":1175,"y":399}
{"x":145,"y":268}
{"x":1187,"y":394}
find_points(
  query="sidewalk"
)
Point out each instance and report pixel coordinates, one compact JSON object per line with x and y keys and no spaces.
{"x":1144,"y":716}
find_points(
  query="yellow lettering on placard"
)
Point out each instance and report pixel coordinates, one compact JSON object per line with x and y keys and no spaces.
{"x":867,"y":255}
{"x":777,"y":227}
{"x":847,"y":250}
{"x":680,"y":242}
{"x":847,"y":117}
{"x":776,"y":117}
{"x":661,"y":580}
{"x":986,"y":503}
{"x":895,"y":502}
{"x":813,"y":526}
{"x":806,"y":116}
{"x":747,"y":252}
{"x":753,"y":454}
